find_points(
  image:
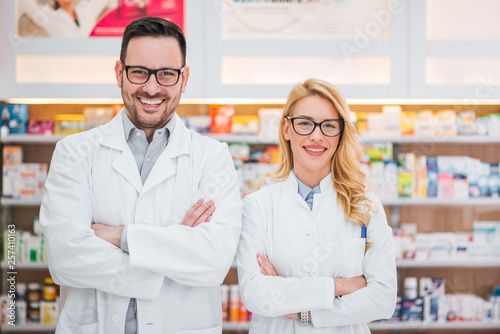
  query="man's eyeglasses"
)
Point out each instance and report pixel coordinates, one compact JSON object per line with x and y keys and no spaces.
{"x":329,"y":127}
{"x":164,"y":76}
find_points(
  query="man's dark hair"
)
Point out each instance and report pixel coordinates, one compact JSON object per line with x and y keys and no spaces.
{"x":154,"y":27}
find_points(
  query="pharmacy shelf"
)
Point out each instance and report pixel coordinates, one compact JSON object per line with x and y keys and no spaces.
{"x":37,"y":139}
{"x":28,"y":328}
{"x":30,"y":139}
{"x":452,"y":263}
{"x":253,"y":139}
{"x":431,"y":139}
{"x":250,"y":139}
{"x":478,"y":263}
{"x":20,"y":202}
{"x":400,"y":325}
{"x":480,"y":201}
{"x":236,"y":326}
{"x":395,"y":325}
{"x":26,"y":266}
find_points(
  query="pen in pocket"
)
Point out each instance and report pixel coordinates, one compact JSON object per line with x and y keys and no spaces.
{"x":363,"y":231}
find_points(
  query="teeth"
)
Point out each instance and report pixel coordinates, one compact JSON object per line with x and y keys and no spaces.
{"x":151,"y":102}
{"x":315,"y":149}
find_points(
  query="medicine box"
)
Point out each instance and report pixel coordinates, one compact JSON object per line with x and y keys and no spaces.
{"x":66,"y":124}
{"x":16,"y":117}
{"x":269,"y":121}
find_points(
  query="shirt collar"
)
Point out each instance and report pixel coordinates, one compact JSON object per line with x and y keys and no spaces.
{"x":303,"y":189}
{"x":128,"y":126}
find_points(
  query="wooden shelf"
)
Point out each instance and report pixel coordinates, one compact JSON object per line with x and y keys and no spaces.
{"x":26,"y":266}
{"x":481,"y":201}
{"x":400,"y":325}
{"x":20,"y":202}
{"x":431,"y":139}
{"x":28,"y":328}
{"x":236,"y":326}
{"x":253,"y":139}
{"x":451,"y":263}
{"x":30,"y":139}
{"x":446,"y":263}
{"x":396,"y":325}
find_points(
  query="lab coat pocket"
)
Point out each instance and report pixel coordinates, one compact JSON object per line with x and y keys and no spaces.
{"x":66,"y":325}
{"x":214,"y":330}
{"x":354,"y":252}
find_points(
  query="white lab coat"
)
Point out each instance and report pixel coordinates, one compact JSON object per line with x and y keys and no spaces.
{"x":174,"y":271}
{"x":308,"y":249}
{"x":44,"y":20}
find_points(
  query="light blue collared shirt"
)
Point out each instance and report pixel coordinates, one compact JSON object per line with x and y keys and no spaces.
{"x":305,"y":191}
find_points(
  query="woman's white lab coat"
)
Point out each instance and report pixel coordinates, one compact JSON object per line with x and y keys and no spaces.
{"x":308,"y":249}
{"x":174,"y":271}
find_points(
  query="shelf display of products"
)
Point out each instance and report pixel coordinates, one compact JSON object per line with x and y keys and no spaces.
{"x":443,"y":177}
{"x":427,"y":302}
{"x":482,"y":244}
{"x":252,"y":163}
{"x":29,"y":246}
{"x":393,"y":121}
{"x":252,"y":142}
{"x":15,"y":120}
{"x":233,"y":309}
{"x":22,"y":180}
{"x":32,"y":303}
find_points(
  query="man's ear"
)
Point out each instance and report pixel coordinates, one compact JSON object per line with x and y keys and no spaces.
{"x":119,"y":73}
{"x":185,"y":77}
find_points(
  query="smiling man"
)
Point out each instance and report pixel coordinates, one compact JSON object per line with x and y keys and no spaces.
{"x":150,"y":104}
{"x":141,"y":215}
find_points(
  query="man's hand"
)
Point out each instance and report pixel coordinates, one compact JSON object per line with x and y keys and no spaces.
{"x":112,"y":234}
{"x":199,"y":213}
{"x":345,"y":286}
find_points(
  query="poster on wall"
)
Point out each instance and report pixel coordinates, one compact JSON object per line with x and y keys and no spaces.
{"x":90,"y":18}
{"x":296,"y":19}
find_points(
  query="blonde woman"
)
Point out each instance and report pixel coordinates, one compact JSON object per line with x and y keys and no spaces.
{"x":316,"y":254}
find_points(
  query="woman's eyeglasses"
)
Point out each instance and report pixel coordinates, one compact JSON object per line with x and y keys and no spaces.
{"x":329,"y":127}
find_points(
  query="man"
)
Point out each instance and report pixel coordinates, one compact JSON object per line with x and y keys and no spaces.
{"x":129,"y":217}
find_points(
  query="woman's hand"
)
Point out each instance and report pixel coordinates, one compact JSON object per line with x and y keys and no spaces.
{"x":345,"y":286}
{"x":267,"y":268}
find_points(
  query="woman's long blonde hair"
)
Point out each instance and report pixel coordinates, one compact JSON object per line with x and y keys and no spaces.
{"x":348,"y":179}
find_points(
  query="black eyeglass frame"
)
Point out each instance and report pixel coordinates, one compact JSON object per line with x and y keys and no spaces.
{"x":179,"y":72}
{"x":341,"y":122}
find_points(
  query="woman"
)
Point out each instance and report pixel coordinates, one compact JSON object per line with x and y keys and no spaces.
{"x":306,"y":263}
{"x":60,"y":18}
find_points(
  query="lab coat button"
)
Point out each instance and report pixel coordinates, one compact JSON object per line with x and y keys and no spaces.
{"x":313,"y":272}
{"x":312,"y":234}
{"x":115,"y":318}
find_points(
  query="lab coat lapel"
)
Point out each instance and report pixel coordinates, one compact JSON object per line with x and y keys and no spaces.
{"x":292,"y":188}
{"x":166,"y":165}
{"x":327,"y":192}
{"x":113,"y":136}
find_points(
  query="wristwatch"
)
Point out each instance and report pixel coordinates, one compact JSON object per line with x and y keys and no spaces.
{"x":303,"y":317}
